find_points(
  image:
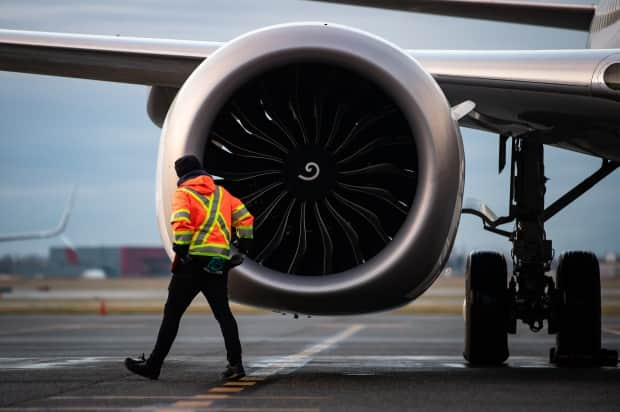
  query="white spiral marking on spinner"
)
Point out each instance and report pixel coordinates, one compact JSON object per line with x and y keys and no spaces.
{"x":313,"y":168}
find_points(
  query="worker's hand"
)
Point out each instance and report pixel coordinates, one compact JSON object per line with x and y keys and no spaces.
{"x":235,"y":260}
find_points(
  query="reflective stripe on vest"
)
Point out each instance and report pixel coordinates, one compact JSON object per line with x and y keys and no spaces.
{"x":183,"y":238}
{"x":211,"y":251}
{"x":240,"y":214}
{"x":181,"y":214}
{"x":245,"y":232}
{"x":222,"y":224}
{"x":211,"y":207}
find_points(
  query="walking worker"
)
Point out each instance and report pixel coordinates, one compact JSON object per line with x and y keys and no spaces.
{"x":202,"y":217}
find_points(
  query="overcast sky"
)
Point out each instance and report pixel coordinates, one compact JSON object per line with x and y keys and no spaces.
{"x":56,"y":132}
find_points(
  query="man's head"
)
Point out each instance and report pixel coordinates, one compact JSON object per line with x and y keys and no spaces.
{"x":185,"y":164}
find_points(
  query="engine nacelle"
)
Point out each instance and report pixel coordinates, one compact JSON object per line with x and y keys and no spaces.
{"x":344,"y":150}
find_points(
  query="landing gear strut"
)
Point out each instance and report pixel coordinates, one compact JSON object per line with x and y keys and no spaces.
{"x":572,"y":307}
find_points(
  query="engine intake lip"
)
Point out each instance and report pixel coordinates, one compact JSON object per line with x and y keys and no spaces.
{"x":408,"y":264}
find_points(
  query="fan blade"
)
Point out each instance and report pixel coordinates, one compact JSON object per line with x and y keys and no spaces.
{"x":276,"y":240}
{"x":326,"y":240}
{"x":367,"y":215}
{"x":381,"y":169}
{"x":377,"y":193}
{"x":349,"y":232}
{"x":261,"y":218}
{"x":302,"y":241}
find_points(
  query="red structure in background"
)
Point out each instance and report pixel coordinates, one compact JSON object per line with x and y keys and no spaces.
{"x":143,"y":261}
{"x":72,"y":256}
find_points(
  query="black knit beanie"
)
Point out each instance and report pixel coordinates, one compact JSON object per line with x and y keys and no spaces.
{"x":186,"y":164}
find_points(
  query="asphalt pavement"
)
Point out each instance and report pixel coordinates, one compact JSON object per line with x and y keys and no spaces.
{"x":383,"y":362}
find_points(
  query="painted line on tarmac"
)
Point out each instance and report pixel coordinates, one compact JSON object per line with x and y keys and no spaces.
{"x":74,"y":326}
{"x":39,"y":363}
{"x":172,"y":397}
{"x":240,"y":383}
{"x":338,"y":325}
{"x":262,"y":370}
{"x":35,"y":330}
{"x":162,"y":409}
{"x":224,"y":409}
{"x":612,"y":331}
{"x":67,"y":408}
{"x":351,"y":365}
{"x":288,"y":364}
{"x":267,"y":366}
{"x":227,"y":391}
{"x":533,"y":339}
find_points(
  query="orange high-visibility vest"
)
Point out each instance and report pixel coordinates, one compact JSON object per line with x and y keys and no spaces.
{"x":203,"y":216}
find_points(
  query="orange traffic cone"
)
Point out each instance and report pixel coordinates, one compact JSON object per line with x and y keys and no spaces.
{"x":103,"y":309}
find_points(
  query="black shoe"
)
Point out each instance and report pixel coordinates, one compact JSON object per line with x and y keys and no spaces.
{"x":233,"y":372}
{"x":141,"y":366}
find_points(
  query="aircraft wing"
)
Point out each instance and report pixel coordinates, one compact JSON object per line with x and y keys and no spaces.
{"x":568,"y":96}
{"x":559,"y":92}
{"x":568,"y":16}
{"x":154,"y":62}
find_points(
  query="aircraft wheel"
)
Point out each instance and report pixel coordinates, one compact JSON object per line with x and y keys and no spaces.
{"x":486,"y":309}
{"x":579,"y":329}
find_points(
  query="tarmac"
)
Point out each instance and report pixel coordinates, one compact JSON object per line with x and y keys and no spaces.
{"x":384,"y":362}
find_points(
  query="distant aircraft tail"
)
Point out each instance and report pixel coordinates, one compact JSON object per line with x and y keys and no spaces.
{"x":71,"y":254}
{"x":60,"y":227}
{"x":562,"y":15}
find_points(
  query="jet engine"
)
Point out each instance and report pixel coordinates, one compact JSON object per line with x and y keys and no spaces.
{"x":344,"y":150}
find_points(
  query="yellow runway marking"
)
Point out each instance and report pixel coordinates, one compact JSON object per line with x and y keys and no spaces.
{"x":257,"y":410}
{"x":240,"y":383}
{"x":170,"y":410}
{"x":281,"y":398}
{"x":193,"y":404}
{"x":212,"y":396}
{"x":61,"y":408}
{"x":136,"y":397}
{"x":221,"y":389}
{"x":290,"y":362}
{"x":119,"y":397}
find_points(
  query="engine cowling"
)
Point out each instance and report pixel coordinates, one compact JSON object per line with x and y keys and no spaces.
{"x":344,"y":150}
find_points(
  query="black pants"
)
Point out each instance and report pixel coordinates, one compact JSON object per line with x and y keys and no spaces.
{"x":184,"y":286}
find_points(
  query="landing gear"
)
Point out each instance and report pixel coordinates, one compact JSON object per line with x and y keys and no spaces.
{"x":572,"y":309}
{"x":486,"y":309}
{"x":578,"y":339}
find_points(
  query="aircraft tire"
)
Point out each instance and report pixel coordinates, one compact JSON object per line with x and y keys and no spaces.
{"x":486,"y":309}
{"x":578,"y":340}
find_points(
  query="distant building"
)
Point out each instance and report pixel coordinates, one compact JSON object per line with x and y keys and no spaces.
{"x":144,"y":261}
{"x":113,"y":261}
{"x":28,"y":265}
{"x":126,"y":261}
